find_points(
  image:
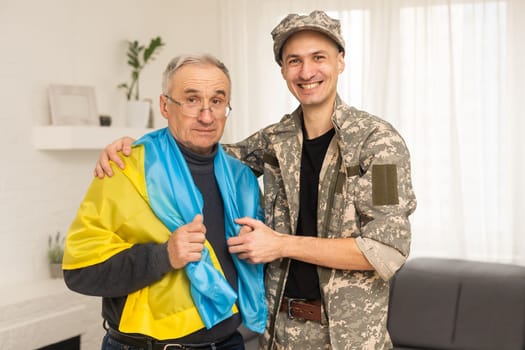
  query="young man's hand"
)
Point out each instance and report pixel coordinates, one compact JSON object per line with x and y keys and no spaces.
{"x":102,"y":167}
{"x":256,"y":242}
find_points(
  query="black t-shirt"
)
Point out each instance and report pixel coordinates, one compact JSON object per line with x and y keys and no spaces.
{"x":303,"y":281}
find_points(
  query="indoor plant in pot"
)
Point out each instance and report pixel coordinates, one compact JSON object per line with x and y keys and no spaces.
{"x":55,"y":253}
{"x":138,"y":111}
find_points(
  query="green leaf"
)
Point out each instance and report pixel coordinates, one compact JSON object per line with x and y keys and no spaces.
{"x":137,"y":57}
{"x":55,"y":250}
{"x":155,"y":43}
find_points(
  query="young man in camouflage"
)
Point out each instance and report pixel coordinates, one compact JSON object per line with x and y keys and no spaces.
{"x":338,"y":194}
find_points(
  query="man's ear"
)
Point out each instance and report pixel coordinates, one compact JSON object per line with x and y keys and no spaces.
{"x":341,"y":62}
{"x":163,"y":104}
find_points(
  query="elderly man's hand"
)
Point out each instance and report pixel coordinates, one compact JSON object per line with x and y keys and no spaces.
{"x":111,"y":153}
{"x":186,"y":243}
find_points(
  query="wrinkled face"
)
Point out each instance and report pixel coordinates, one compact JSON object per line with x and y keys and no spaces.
{"x":311,"y":64}
{"x":196,"y":82}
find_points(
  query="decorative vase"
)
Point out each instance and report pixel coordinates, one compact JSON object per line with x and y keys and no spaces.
{"x":55,"y":270}
{"x":137,"y":113}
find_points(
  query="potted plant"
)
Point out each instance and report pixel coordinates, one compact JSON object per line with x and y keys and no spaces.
{"x":138,"y":112}
{"x":55,"y":253}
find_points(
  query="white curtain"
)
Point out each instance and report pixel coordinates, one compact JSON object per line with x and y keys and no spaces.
{"x":447,"y":74}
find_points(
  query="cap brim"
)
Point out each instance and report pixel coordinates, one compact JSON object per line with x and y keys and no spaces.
{"x":285,"y":36}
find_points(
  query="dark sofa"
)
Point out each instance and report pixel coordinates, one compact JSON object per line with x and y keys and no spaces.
{"x":438,"y":304}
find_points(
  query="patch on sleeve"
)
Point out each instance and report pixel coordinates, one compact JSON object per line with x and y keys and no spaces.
{"x":384,"y":184}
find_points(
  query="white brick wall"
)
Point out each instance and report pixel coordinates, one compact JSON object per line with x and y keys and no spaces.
{"x":69,"y":42}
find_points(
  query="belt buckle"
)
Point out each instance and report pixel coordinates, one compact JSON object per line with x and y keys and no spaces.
{"x":289,"y":309}
{"x":173,"y":346}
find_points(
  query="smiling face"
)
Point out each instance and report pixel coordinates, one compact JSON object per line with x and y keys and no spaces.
{"x":203,"y":82}
{"x":311,"y":64}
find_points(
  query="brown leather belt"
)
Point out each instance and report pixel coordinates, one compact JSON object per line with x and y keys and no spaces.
{"x":309,"y":310}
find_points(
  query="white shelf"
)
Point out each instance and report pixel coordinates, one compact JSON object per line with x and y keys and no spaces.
{"x":80,"y":137}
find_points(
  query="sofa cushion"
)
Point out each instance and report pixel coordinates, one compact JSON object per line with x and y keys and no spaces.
{"x":491,"y":308}
{"x":423,"y":305}
{"x":457,"y":304}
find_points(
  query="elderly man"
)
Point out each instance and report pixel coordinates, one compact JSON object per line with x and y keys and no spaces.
{"x":338,"y":194}
{"x":151,"y":240}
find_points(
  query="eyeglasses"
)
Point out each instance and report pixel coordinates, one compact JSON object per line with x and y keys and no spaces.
{"x":193,"y":107}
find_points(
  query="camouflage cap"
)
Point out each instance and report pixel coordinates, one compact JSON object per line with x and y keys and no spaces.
{"x":317,"y":21}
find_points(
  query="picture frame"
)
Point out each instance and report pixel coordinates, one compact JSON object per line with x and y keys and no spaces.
{"x":72,"y":105}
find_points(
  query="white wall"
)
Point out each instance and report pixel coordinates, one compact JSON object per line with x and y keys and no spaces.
{"x":82,"y":43}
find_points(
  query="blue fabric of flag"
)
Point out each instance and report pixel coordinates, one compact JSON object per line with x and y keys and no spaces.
{"x":176,"y":200}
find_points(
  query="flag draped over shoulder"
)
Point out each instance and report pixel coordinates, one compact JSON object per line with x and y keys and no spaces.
{"x":176,"y":200}
{"x":156,"y":189}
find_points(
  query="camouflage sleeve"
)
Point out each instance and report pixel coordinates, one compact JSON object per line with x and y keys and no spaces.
{"x":384,"y":200}
{"x":385,"y":260}
{"x":250,"y":151}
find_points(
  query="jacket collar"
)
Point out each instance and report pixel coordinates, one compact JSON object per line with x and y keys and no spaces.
{"x":287,"y":141}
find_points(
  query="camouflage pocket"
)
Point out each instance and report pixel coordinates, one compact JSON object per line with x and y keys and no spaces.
{"x":276,"y":207}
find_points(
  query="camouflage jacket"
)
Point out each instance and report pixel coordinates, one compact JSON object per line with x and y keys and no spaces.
{"x":365,"y":192}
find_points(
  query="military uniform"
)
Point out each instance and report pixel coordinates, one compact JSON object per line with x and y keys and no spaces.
{"x":365,"y":192}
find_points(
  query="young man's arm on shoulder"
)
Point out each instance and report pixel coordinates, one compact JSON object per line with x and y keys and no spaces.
{"x":250,"y":151}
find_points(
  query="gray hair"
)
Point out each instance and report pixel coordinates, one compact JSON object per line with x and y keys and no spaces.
{"x":182,"y":60}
